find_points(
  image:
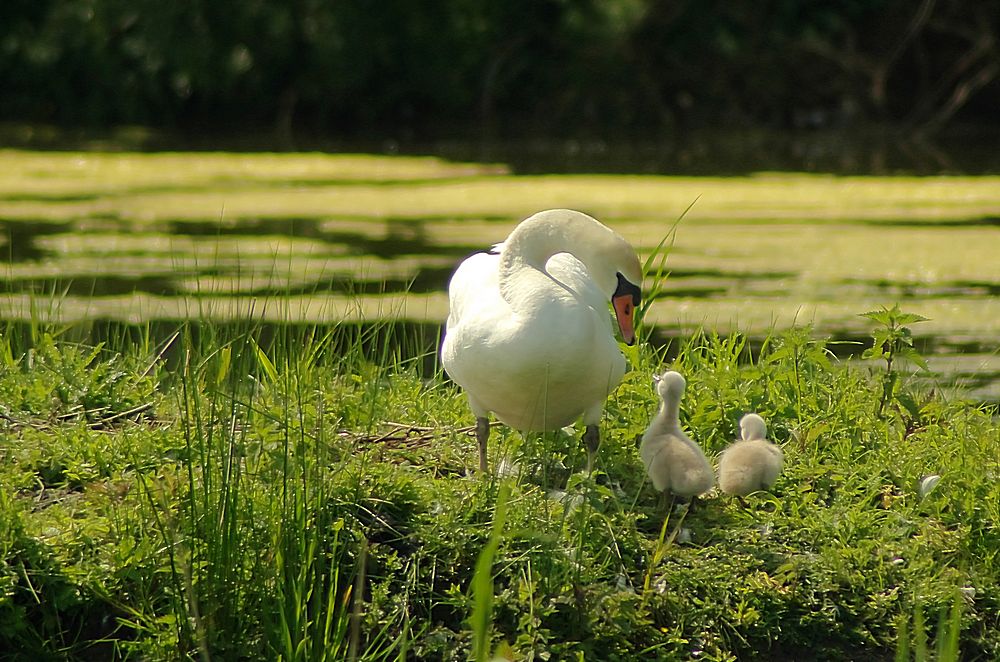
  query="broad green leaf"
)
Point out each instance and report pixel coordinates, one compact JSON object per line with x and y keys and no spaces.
{"x":265,"y":362}
{"x":913,"y":355}
{"x":225,"y":357}
{"x":909,"y":404}
{"x":910,"y":318}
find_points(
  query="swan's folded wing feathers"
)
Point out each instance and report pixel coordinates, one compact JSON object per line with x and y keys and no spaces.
{"x":474,"y":283}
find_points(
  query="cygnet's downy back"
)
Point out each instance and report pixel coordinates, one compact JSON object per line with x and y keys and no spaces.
{"x":673,"y":461}
{"x":751,"y":463}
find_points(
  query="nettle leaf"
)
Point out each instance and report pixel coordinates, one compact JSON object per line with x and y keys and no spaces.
{"x":779,"y":354}
{"x":881,"y":340}
{"x":909,"y":404}
{"x":821,"y":357}
{"x":881,"y":316}
{"x":913,"y":355}
{"x":910,"y":318}
{"x":873,"y":353}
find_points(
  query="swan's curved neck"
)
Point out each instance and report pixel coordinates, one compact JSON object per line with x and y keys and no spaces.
{"x":531,"y":244}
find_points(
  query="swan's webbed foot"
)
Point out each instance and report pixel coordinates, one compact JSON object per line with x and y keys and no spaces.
{"x":592,"y":438}
{"x":482,"y":435}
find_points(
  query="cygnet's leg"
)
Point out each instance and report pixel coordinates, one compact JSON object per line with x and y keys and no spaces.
{"x":592,"y":438}
{"x":482,"y":435}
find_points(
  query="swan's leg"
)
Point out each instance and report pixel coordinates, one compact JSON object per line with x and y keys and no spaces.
{"x":482,"y":434}
{"x":592,"y":438}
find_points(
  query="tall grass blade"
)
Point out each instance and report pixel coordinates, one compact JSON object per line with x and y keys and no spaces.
{"x":903,"y":652}
{"x":265,"y":361}
{"x":949,"y":631}
{"x":658,"y":258}
{"x":482,"y":581}
{"x":919,"y":634}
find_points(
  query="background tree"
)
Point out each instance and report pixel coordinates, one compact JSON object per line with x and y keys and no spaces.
{"x":551,"y":66}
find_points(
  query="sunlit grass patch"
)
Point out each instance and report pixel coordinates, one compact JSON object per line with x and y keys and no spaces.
{"x":238,"y":510}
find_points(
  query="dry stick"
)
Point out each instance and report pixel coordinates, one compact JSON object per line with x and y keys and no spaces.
{"x":76,"y":410}
{"x":410,"y":426}
{"x":159,"y":355}
{"x":402,"y":432}
{"x":389,"y":435}
{"x":121,"y":414}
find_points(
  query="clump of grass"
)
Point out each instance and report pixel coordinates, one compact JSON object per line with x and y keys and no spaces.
{"x":58,"y":380}
{"x":912,"y":639}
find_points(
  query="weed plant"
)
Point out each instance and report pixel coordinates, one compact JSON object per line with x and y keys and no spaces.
{"x":311,"y":494}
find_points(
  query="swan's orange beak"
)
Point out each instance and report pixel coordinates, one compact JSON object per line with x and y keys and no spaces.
{"x":626,"y":297}
{"x":625,"y":311}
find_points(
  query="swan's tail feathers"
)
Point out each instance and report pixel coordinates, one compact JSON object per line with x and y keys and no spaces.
{"x":496,"y":249}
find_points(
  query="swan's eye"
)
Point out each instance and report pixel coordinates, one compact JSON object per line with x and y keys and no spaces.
{"x":627,"y":288}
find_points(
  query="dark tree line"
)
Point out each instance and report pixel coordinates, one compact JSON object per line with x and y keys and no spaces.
{"x":517,"y":66}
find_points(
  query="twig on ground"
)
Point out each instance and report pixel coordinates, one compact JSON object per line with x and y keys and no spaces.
{"x":406,"y":434}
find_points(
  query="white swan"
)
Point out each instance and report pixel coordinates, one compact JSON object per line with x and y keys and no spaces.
{"x":673,"y":461}
{"x":529,"y":337}
{"x":752,"y":463}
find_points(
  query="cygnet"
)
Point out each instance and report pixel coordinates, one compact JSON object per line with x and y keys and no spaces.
{"x":673,"y":461}
{"x":752,"y":463}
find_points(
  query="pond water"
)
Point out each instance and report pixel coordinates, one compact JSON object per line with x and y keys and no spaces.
{"x":291,"y":238}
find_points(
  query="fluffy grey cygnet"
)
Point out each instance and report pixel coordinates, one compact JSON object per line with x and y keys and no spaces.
{"x":753,"y":463}
{"x":673,"y":461}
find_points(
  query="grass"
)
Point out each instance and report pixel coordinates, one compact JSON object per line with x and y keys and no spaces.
{"x":312,"y":495}
{"x":263,"y":483}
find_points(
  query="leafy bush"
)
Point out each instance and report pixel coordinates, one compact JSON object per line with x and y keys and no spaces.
{"x":350,"y":67}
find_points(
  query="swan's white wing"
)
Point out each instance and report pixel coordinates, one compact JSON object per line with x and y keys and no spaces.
{"x":474,"y":286}
{"x":475,"y":308}
{"x":539,"y":368}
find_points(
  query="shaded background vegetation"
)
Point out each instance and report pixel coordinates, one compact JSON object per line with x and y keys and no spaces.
{"x":522,"y":67}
